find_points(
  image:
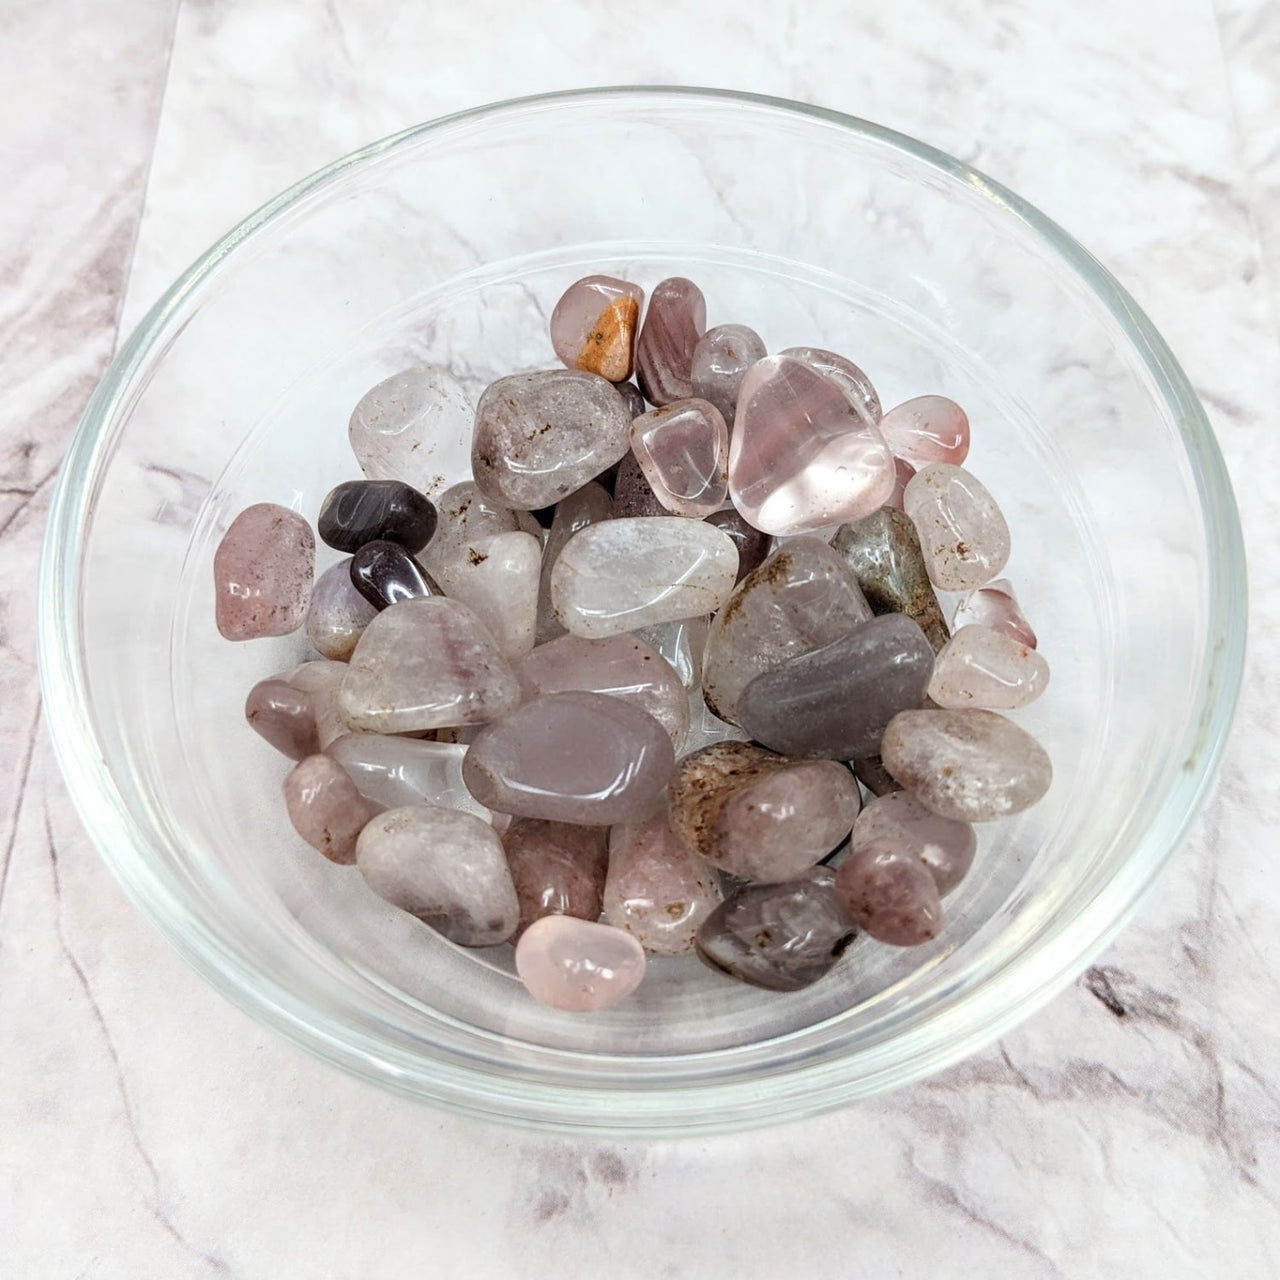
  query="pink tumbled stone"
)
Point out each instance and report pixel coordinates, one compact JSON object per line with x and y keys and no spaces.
{"x":262,"y":573}
{"x":284,"y":715}
{"x":577,"y":965}
{"x":851,"y":380}
{"x":802,"y":457}
{"x":683,"y":450}
{"x":902,"y":473}
{"x":593,"y":326}
{"x":675,"y":321}
{"x":558,"y":868}
{"x":900,"y":821}
{"x":891,"y":894}
{"x":983,"y":667}
{"x":996,"y":606}
{"x":325,"y":808}
{"x":927,"y":429}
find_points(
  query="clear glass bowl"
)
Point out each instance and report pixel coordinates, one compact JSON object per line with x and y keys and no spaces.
{"x":450,"y":243}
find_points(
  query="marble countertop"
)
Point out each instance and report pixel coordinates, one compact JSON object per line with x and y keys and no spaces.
{"x":147,"y":1128}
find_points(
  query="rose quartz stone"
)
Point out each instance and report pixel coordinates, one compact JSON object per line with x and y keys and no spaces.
{"x":898,"y":820}
{"x":262,"y":573}
{"x":571,"y":757}
{"x":963,"y":535}
{"x":657,"y":890}
{"x":593,"y":326}
{"x":683,"y":450}
{"x":325,"y":808}
{"x":982,"y":667}
{"x":927,"y":429}
{"x":284,"y":716}
{"x":996,"y":606}
{"x":720,"y":359}
{"x":802,"y":457}
{"x":902,"y":473}
{"x":558,"y":868}
{"x":338,"y":613}
{"x":577,"y":965}
{"x":845,"y":374}
{"x":676,"y":319}
{"x":891,"y":894}
{"x":589,"y":505}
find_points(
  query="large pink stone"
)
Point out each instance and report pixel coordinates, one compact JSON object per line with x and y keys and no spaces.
{"x":325,"y":808}
{"x":845,"y":374}
{"x":577,"y":965}
{"x":262,"y":573}
{"x":558,"y":868}
{"x":676,"y":319}
{"x":996,"y":606}
{"x":593,"y":326}
{"x":571,"y":757}
{"x":927,"y":429}
{"x":683,"y":450}
{"x":802,"y":457}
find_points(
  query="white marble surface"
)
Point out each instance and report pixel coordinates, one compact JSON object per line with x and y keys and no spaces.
{"x":1132,"y":1128}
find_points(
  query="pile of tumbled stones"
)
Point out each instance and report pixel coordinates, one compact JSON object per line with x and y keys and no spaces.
{"x":615,"y":695}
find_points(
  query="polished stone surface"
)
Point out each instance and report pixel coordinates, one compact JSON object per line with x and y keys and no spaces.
{"x":558,"y":868}
{"x":675,"y":320}
{"x":927,"y":429}
{"x":963,"y":534}
{"x":262,"y":573}
{"x":283,"y":714}
{"x":982,"y":667}
{"x":720,"y":359}
{"x":338,"y":613}
{"x":683,"y":450}
{"x":899,"y":820}
{"x":325,"y":807}
{"x":633,"y":495}
{"x":578,"y":966}
{"x":498,"y":580}
{"x":891,"y":894}
{"x":753,"y":546}
{"x":996,"y":606}
{"x":384,"y":573}
{"x":360,"y":511}
{"x":845,"y":374}
{"x":588,"y":505}
{"x":594,"y":326}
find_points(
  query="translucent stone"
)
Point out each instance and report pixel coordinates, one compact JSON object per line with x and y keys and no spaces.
{"x":558,"y":868}
{"x":996,"y":606}
{"x":445,"y":867}
{"x":973,"y":766}
{"x":394,"y":771}
{"x":891,"y":894}
{"x":467,"y":518}
{"x":683,"y":450}
{"x":982,"y":667}
{"x":593,"y":326}
{"x":753,"y":546}
{"x":283,"y":715}
{"x":835,"y":702}
{"x":898,"y":820}
{"x":927,"y":429}
{"x":262,"y":573}
{"x":656,"y":889}
{"x":963,"y":535}
{"x":571,"y":757}
{"x":360,"y":511}
{"x":577,"y":965}
{"x":589,"y":505}
{"x":681,"y":644}
{"x":781,"y":937}
{"x":802,"y":457}
{"x":337,"y":614}
{"x":722,"y":356}
{"x":706,"y":728}
{"x":540,"y":436}
{"x":325,"y":808}
{"x":883,"y":552}
{"x":322,"y":682}
{"x":845,"y":374}
{"x":633,"y":495}
{"x":399,"y":428}
{"x":800,"y":599}
{"x":626,"y":573}
{"x":425,"y":664}
{"x":498,"y":579}
{"x":384,"y":573}
{"x":675,"y":321}
{"x":620,"y":666}
{"x":902,"y":473}
{"x":761,"y":816}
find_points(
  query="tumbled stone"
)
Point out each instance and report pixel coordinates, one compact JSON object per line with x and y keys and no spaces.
{"x":982,"y":667}
{"x":963,"y":535}
{"x":466,"y":518}
{"x":683,"y":450}
{"x":996,"y":606}
{"x":753,"y":546}
{"x":801,"y":598}
{"x":891,"y":894}
{"x":834,"y":702}
{"x":571,"y":757}
{"x":620,"y":666}
{"x":781,"y":937}
{"x":627,"y":573}
{"x":870,"y":771}
{"x":802,"y":456}
{"x":845,"y":374}
{"x":633,"y":397}
{"x":680,"y":644}
{"x":902,"y":473}
{"x":899,"y":821}
{"x":338,"y":613}
{"x":498,"y":579}
{"x":321,"y":681}
{"x":262,"y":573}
{"x":325,"y":808}
{"x":360,"y":511}
{"x":973,"y":766}
{"x":558,"y":868}
{"x":445,"y":867}
{"x":384,"y":573}
{"x":284,"y":716}
{"x":593,"y":326}
{"x":633,"y":495}
{"x":578,"y":966}
{"x":656,"y":889}
{"x":927,"y":429}
{"x":401,"y":427}
{"x":589,"y":505}
{"x":540,"y":436}
{"x":758,"y":815}
{"x":884,"y":554}
{"x":423,"y":665}
{"x":722,"y":356}
{"x":675,"y":321}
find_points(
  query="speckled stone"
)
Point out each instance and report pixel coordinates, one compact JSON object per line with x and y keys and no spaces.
{"x":498,"y":579}
{"x":466,"y":519}
{"x":899,"y":821}
{"x":720,"y":359}
{"x":284,"y":716}
{"x":753,"y":546}
{"x":445,"y":867}
{"x":594,"y":325}
{"x":982,"y":667}
{"x":675,"y":321}
{"x":325,"y":808}
{"x":558,"y":868}
{"x":577,"y":965}
{"x":589,"y":505}
{"x":758,"y":815}
{"x":540,"y":436}
{"x":891,"y":894}
{"x":632,"y":493}
{"x":996,"y":606}
{"x":360,"y":511}
{"x":845,"y":374}
{"x":262,"y":573}
{"x":337,"y":614}
{"x":927,"y":429}
{"x":683,"y":450}
{"x":963,"y":534}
